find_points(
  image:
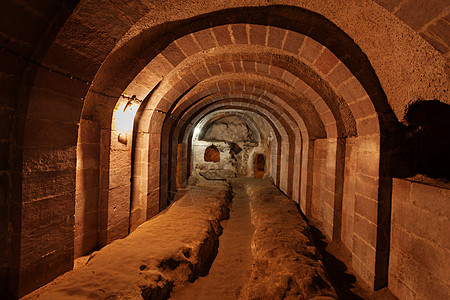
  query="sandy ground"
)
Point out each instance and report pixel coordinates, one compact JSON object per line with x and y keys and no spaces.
{"x":286,"y":265}
{"x":231,"y":268}
{"x":266,"y":250}
{"x":176,"y":246}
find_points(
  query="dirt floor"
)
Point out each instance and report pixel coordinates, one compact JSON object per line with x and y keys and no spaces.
{"x":265,"y":251}
{"x":171,"y":249}
{"x":230,"y":271}
{"x":231,"y":268}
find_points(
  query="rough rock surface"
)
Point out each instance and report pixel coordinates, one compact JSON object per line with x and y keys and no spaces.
{"x":237,"y":141}
{"x":175,"y":247}
{"x":217,"y":175}
{"x":286,"y":264}
{"x":231,"y":268}
{"x":229,"y":129}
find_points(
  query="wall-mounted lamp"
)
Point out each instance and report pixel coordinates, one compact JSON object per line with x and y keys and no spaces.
{"x":197,"y":131}
{"x":123,"y":138}
{"x":124,"y":118}
{"x":129,"y":103}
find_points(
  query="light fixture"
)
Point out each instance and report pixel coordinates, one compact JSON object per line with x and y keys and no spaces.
{"x":124,"y":118}
{"x":123,"y":138}
{"x":196,"y":131}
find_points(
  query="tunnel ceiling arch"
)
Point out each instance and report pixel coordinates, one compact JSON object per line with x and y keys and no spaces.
{"x":316,"y":80}
{"x":313,"y":25}
{"x":331,"y":94}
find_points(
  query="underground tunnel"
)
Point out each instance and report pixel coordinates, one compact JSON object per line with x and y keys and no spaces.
{"x":224,"y":149}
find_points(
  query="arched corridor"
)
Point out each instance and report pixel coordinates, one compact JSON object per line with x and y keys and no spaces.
{"x":113,"y":110}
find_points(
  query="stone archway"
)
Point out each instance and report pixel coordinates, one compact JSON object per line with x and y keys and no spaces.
{"x":84,"y":50}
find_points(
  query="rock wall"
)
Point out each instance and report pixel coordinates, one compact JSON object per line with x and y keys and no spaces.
{"x":87,"y":189}
{"x":231,"y":164}
{"x":230,"y":128}
{"x":238,"y":146}
{"x":420,"y":241}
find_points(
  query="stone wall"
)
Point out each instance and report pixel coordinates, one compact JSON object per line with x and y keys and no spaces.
{"x":87,"y":188}
{"x":322,"y":205}
{"x":230,"y":165}
{"x":238,"y":145}
{"x":117,"y":203}
{"x":345,"y":197}
{"x":420,"y":240}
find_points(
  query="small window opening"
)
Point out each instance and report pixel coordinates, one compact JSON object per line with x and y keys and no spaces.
{"x":212,"y":154}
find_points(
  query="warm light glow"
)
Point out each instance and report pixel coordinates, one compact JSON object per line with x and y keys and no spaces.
{"x":196,"y":131}
{"x":123,"y":120}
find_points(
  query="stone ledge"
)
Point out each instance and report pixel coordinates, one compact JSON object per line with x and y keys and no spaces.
{"x":176,"y":246}
{"x":286,"y":265}
{"x":439,"y":183}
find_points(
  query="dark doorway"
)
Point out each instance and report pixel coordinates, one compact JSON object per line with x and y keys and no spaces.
{"x":260,"y":163}
{"x":212,"y":154}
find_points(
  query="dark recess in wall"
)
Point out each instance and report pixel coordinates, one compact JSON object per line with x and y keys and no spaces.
{"x":212,"y":154}
{"x":428,"y":139}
